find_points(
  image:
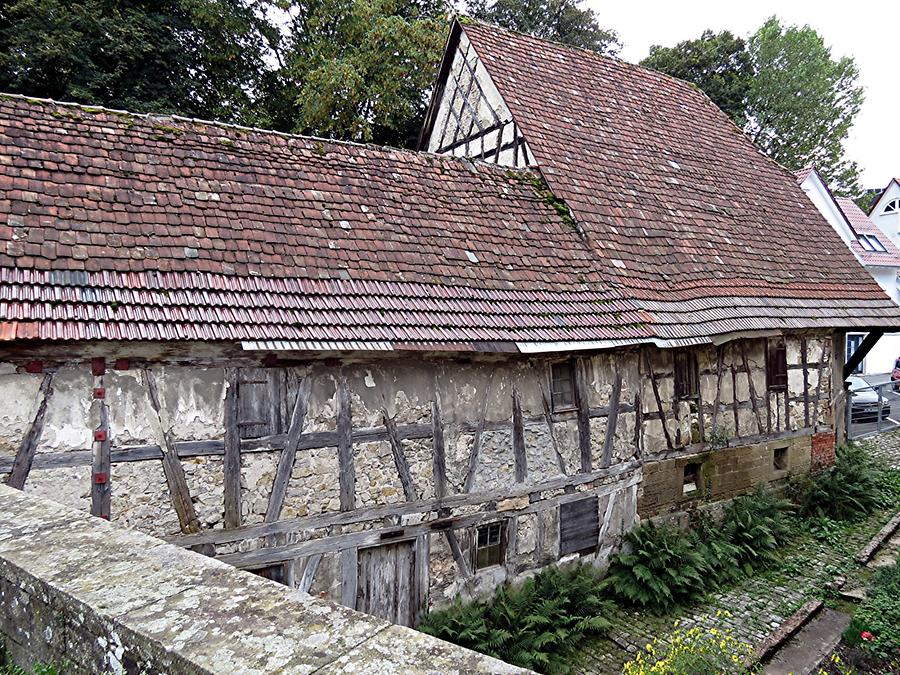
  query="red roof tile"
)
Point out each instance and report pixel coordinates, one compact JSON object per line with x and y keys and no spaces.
{"x":120,"y":226}
{"x":676,"y":201}
{"x":861,"y":224}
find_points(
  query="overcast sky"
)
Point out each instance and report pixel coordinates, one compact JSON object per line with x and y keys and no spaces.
{"x":868,"y":30}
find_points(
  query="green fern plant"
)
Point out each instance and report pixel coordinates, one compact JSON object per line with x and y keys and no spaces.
{"x":757,"y":525}
{"x":660,"y":566}
{"x":851,"y":489}
{"x":538,"y":625}
{"x":719,"y":553}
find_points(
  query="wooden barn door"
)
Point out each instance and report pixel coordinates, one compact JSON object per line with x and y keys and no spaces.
{"x":387,"y":582}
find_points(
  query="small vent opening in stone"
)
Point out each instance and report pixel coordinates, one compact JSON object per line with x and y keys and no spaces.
{"x":780,"y":459}
{"x":691,"y":478}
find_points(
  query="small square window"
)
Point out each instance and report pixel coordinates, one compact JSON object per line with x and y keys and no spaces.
{"x":691,"y":482}
{"x":780,"y":459}
{"x":776,"y":365}
{"x":687,"y":375}
{"x":562,"y":385}
{"x":489,"y":545}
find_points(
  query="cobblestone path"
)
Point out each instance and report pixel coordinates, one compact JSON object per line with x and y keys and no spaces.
{"x":758,"y":604}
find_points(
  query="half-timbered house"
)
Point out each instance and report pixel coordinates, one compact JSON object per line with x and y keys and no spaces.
{"x":393,"y":377}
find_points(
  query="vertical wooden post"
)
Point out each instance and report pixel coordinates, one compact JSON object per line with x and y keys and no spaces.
{"x":718,"y":401}
{"x":805,"y":364}
{"x":25,"y":455}
{"x":347,"y":477}
{"x":439,"y":461}
{"x":612,"y":420}
{"x":349,"y":576}
{"x":548,"y":418}
{"x":583,"y":413}
{"x":520,"y":459}
{"x":232,"y":460}
{"x":659,"y":405}
{"x":101,"y":487}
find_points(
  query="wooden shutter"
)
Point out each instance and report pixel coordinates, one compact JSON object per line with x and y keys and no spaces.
{"x":776,"y":364}
{"x":579,"y":526}
{"x":687,"y":376}
{"x":261,"y":401}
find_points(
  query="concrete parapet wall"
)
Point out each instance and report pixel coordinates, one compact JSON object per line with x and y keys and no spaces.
{"x":85,"y":594}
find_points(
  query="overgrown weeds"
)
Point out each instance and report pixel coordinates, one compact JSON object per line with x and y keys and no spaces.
{"x":851,"y":489}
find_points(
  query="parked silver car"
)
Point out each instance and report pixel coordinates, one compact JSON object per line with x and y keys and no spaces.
{"x":864,"y":402}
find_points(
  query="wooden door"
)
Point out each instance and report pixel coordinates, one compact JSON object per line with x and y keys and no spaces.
{"x":387,"y":585}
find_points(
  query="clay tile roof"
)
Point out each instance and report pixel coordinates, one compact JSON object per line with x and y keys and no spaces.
{"x":122,"y":226}
{"x":861,"y":224}
{"x":802,"y":174}
{"x":680,"y":207}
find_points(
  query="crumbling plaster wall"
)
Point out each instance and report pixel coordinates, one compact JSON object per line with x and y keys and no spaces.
{"x":403,"y":390}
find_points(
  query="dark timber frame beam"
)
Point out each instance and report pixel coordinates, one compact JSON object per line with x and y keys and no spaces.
{"x":866,"y":346}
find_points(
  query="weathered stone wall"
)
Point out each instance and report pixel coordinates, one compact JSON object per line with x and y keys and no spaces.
{"x":733,"y":426}
{"x":725,"y":473}
{"x":91,"y":597}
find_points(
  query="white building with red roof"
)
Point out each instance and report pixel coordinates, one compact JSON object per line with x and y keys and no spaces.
{"x":875,"y":247}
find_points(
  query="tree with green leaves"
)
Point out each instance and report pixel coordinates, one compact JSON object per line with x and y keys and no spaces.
{"x":718,"y":63}
{"x":783,"y":87}
{"x":566,"y":21}
{"x":802,"y":102}
{"x":203,"y":58}
{"x":357,"y":69}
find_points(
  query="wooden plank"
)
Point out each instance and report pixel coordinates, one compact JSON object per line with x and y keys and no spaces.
{"x":21,"y":465}
{"x":309,"y":572}
{"x":101,"y":485}
{"x":374,"y":537}
{"x":349,"y":576}
{"x":751,"y":387}
{"x":611,"y":422}
{"x":734,"y":396}
{"x":579,"y":524}
{"x":347,"y":476}
{"x":803,"y":359}
{"x":638,"y":424}
{"x":719,"y":369}
{"x":174,"y":472}
{"x":461,"y":561}
{"x":659,"y":405}
{"x":520,"y":459}
{"x":419,"y":595}
{"x":702,"y":449}
{"x":582,"y":404}
{"x":400,"y":463}
{"x":438,"y":451}
{"x":476,"y":441}
{"x":231,"y":466}
{"x":289,"y":454}
{"x":463,"y":500}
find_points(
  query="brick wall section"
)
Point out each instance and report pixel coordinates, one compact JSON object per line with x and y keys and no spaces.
{"x":84,"y":594}
{"x":725,"y":473}
{"x":822,"y":453}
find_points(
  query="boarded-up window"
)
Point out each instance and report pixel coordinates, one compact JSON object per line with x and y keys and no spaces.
{"x":265,"y":398}
{"x":579,"y":526}
{"x":776,"y":364}
{"x":489,"y":543}
{"x":562,"y":385}
{"x":687,"y":375}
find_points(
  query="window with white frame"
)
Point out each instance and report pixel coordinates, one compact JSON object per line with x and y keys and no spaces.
{"x":892,"y":206}
{"x":871,"y":243}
